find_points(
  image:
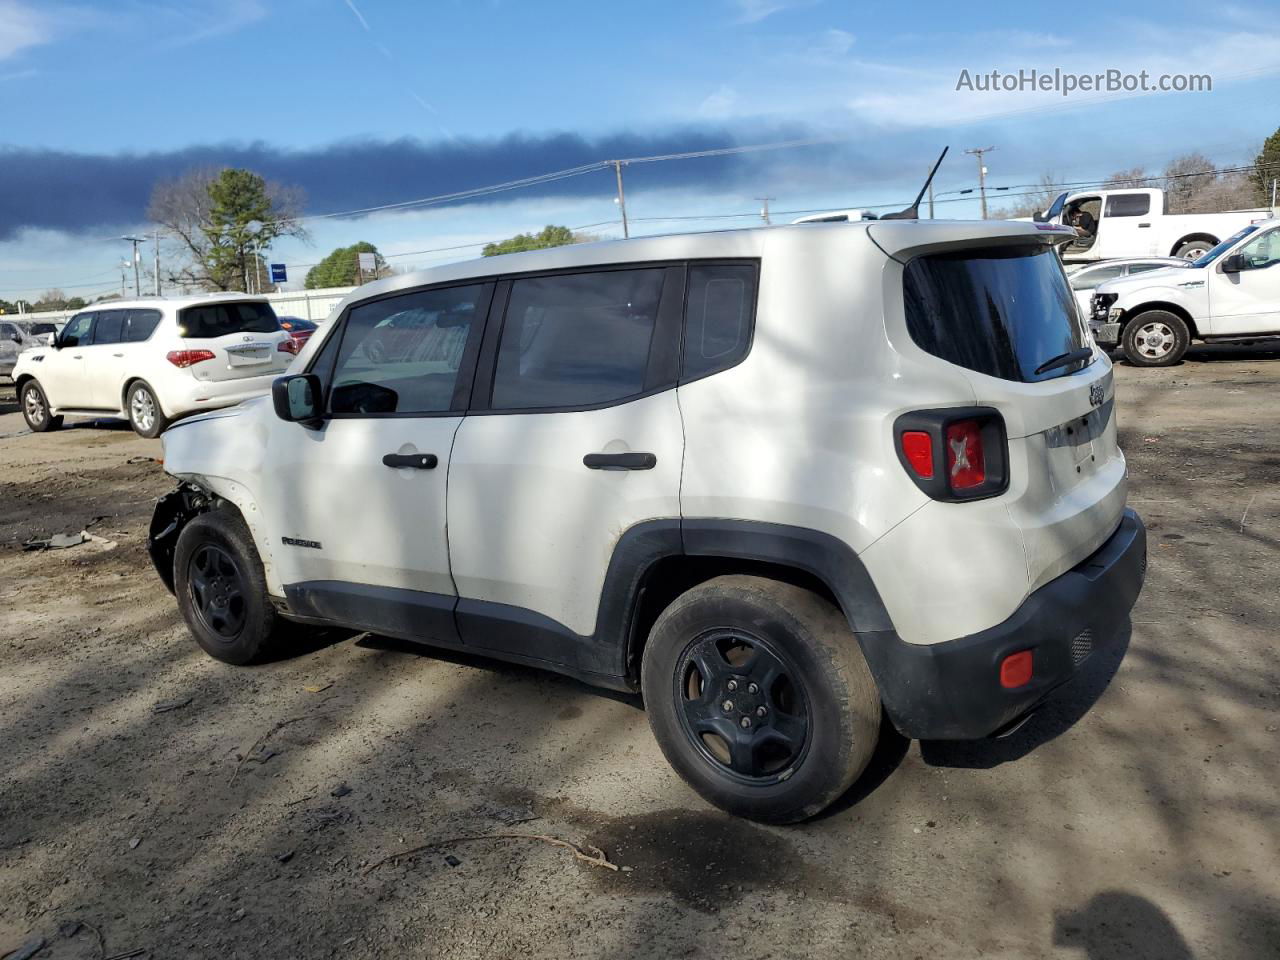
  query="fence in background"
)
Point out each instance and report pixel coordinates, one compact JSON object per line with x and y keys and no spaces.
{"x":315,"y":305}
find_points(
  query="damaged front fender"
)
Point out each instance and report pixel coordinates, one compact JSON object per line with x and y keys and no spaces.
{"x":173,"y":512}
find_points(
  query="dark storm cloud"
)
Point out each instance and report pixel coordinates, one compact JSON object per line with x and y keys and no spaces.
{"x":78,"y":191}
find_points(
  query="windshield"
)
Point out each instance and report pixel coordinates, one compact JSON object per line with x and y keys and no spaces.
{"x":1002,"y":311}
{"x":1223,"y":247}
{"x":220,"y":319}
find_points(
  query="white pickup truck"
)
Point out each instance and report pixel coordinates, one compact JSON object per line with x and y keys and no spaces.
{"x":1230,"y":293}
{"x":1132,"y":223}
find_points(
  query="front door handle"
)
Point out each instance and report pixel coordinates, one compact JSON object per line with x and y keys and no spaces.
{"x":1144,"y":224}
{"x":620,"y":461}
{"x":117,"y":354}
{"x":416,"y":461}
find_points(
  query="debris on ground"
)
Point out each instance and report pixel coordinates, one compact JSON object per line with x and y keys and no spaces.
{"x":164,"y":706}
{"x":61,"y":541}
{"x":280,"y":725}
{"x":586,"y":853}
{"x":341,"y":790}
{"x":318,"y":688}
{"x":27,"y":950}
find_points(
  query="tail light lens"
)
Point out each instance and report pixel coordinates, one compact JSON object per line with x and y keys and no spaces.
{"x":187,"y":358}
{"x":955,"y":453}
{"x":289,"y":345}
{"x":966,"y":462}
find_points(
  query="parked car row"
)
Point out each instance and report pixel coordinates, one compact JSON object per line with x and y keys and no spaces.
{"x":17,"y":335}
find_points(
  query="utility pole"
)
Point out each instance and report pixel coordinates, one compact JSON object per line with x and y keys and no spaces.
{"x":157,"y":239}
{"x":124,"y":292}
{"x":982,"y":175}
{"x":764,"y":211}
{"x":931,"y":196}
{"x":137,"y":283}
{"x":622,"y":199}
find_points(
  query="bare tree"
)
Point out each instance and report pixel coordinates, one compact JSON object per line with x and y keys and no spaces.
{"x":198,"y":231}
{"x":1125,"y":179}
{"x":1184,"y":178}
{"x":1040,"y":198}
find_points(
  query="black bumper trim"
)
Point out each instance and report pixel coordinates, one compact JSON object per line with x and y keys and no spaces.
{"x":951,"y":690}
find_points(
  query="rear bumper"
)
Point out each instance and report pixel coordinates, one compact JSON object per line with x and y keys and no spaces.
{"x":952,"y":691}
{"x":212,"y":394}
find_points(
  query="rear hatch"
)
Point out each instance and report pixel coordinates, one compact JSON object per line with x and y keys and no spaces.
{"x":233,"y":340}
{"x":1003,"y":312}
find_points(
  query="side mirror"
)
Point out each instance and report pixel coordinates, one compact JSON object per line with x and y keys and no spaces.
{"x":297,"y":398}
{"x":15,"y":337}
{"x":51,"y":339}
{"x":1233,"y":264}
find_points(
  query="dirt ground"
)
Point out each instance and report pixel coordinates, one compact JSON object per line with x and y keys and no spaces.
{"x":152,"y":799}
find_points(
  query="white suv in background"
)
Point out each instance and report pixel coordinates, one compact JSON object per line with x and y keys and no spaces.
{"x":775,"y":479}
{"x":154,"y":360}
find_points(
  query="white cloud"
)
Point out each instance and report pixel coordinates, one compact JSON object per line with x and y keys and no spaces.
{"x":753,"y":11}
{"x":833,"y":43}
{"x":20,"y":27}
{"x":720,"y":104}
{"x":205,"y":20}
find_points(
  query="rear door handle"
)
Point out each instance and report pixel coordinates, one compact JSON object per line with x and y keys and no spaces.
{"x":416,"y":461}
{"x":620,"y":461}
{"x":1144,"y":224}
{"x":117,"y":354}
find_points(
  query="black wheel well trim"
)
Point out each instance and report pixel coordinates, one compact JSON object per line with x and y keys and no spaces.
{"x":650,"y":568}
{"x":1178,"y":311}
{"x":172,"y":513}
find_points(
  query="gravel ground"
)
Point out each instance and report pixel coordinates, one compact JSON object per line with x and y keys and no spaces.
{"x":152,"y":799}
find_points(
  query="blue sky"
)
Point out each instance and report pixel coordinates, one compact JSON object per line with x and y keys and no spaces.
{"x":98,"y":98}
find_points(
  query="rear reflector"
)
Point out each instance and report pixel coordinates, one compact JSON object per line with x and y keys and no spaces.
{"x":1016,"y":670}
{"x":917,"y":448}
{"x":187,"y":358}
{"x":966,"y":465}
{"x":288,"y":346}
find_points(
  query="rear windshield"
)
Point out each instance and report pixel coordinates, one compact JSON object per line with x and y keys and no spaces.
{"x":1002,"y":311}
{"x":220,"y":319}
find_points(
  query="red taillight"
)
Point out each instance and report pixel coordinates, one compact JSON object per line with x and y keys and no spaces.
{"x":1016,"y":669}
{"x":288,"y":346}
{"x":917,"y":448}
{"x":187,"y":358}
{"x":966,"y":465}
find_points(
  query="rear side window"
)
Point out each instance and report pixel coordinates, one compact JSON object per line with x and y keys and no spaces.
{"x":402,"y":354}
{"x":577,"y":339}
{"x":1002,"y":311}
{"x":718,"y":315}
{"x":109,"y":328}
{"x":140,"y":325}
{"x":221,"y":319}
{"x":1128,"y":204}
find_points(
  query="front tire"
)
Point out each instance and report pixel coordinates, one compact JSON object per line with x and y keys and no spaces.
{"x":760,"y":698}
{"x":1155,"y":338}
{"x":35,"y":409}
{"x":145,"y":415}
{"x":222,"y":590}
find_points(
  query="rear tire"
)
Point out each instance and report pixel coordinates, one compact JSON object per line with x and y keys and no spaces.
{"x":760,"y":698}
{"x":1155,"y":338}
{"x":222,"y":590}
{"x":145,"y":415}
{"x":1195,"y":249}
{"x":35,"y":408}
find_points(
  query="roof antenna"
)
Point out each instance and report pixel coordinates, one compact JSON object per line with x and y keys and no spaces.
{"x":913,"y":212}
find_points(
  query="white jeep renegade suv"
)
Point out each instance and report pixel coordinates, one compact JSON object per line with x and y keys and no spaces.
{"x":154,"y":360}
{"x":775,"y":479}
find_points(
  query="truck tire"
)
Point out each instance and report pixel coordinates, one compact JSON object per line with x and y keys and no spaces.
{"x":760,"y":698}
{"x":1155,"y":338}
{"x":222,"y":590}
{"x":1195,"y":248}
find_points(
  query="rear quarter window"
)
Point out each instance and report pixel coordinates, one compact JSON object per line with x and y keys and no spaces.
{"x":1001,"y":311}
